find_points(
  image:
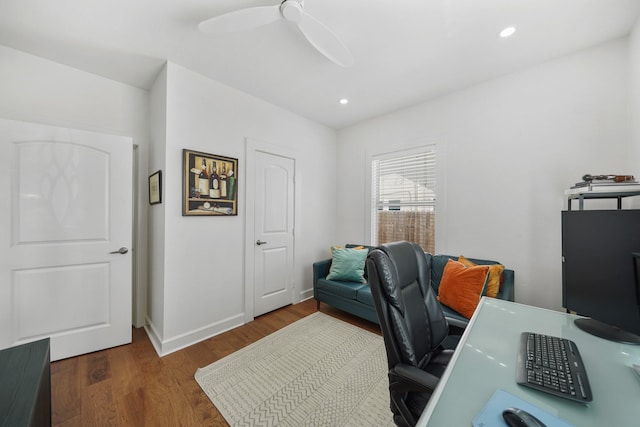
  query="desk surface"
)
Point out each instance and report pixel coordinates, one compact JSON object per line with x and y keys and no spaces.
{"x":485,"y":361}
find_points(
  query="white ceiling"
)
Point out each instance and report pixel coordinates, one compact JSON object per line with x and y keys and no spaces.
{"x":406,"y":51}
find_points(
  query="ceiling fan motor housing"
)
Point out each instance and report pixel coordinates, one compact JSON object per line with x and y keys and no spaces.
{"x":291,"y":10}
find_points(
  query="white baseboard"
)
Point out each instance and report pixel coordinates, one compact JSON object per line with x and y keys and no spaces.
{"x":168,"y":346}
{"x":305,"y":295}
{"x":153,"y":335}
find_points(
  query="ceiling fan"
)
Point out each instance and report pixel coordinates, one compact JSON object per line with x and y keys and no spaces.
{"x":318,"y":34}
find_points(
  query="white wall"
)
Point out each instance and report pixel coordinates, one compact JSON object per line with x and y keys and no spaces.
{"x":203,"y":284}
{"x":38,"y":90}
{"x":156,"y":222}
{"x":508,"y":149}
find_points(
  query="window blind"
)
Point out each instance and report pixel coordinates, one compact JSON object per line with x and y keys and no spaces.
{"x":404,"y":197}
{"x":406,"y":181}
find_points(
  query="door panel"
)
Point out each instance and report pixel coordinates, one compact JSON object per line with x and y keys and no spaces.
{"x":274,"y":223}
{"x":69,"y":206}
{"x":59,"y":196}
{"x":41,"y":291}
{"x":274,"y":262}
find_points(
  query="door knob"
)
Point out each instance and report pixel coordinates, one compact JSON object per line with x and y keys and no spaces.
{"x":120,"y":251}
{"x":260,"y":242}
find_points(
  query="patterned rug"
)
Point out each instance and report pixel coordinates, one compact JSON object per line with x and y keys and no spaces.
{"x":318,"y":371}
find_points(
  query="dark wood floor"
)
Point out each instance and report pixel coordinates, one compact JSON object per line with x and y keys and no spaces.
{"x":131,"y":386}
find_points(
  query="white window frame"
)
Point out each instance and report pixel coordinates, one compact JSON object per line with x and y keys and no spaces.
{"x":370,"y":210}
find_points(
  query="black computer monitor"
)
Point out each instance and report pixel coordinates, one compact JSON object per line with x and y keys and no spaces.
{"x":600,"y":271}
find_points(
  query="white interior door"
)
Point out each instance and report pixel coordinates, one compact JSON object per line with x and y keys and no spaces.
{"x":65,"y":207}
{"x":274,"y":222}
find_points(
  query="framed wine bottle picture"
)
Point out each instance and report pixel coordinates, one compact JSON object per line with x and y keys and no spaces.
{"x":209,"y":184}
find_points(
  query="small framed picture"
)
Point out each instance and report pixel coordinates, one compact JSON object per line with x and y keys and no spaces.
{"x":155,"y":188}
{"x":209,"y":184}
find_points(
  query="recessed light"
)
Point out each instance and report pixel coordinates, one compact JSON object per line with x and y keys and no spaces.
{"x":507,"y":32}
{"x":344,"y":101}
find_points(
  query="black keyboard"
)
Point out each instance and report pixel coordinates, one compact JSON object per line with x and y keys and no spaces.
{"x":553,"y":365}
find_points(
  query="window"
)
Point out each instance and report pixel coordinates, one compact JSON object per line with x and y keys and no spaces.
{"x":404,"y":197}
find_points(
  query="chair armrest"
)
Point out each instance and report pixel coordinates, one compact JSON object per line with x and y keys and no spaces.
{"x":321,"y":269}
{"x":409,"y":378}
{"x":456,"y":325}
{"x":507,"y":290}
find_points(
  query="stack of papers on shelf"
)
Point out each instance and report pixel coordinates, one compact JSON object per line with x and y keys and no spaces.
{"x":605,"y":188}
{"x":602,"y":183}
{"x":605,"y":184}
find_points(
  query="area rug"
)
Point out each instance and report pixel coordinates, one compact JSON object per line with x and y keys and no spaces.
{"x":318,"y":371}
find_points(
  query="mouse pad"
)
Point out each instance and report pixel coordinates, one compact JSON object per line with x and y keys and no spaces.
{"x":491,"y":414}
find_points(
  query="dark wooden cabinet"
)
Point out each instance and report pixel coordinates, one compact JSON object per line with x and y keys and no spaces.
{"x":598,"y":270}
{"x":25,"y":385}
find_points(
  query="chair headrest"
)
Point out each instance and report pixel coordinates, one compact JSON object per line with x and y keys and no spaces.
{"x":403,"y":255}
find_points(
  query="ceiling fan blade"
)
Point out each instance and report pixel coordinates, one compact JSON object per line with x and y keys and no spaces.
{"x":325,"y":41}
{"x":243,"y":19}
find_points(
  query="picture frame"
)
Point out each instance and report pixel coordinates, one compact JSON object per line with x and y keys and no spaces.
{"x":155,"y":188}
{"x":209,"y":184}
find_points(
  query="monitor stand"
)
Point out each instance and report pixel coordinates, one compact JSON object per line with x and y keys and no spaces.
{"x":608,"y":332}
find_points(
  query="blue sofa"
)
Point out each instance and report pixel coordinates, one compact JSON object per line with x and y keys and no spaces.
{"x":355,"y":298}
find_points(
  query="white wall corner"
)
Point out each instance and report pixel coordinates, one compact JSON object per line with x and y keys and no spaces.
{"x":153,"y":335}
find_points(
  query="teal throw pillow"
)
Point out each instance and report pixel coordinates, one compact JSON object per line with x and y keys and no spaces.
{"x":348,"y":264}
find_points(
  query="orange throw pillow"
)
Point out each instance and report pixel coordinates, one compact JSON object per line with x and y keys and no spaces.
{"x":495,"y":276}
{"x":461,"y":287}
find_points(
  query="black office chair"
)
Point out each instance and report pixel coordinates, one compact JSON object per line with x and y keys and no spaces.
{"x":413,"y":326}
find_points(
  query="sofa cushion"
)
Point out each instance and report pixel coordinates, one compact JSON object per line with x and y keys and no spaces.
{"x":364,"y":295}
{"x":347,"y":264}
{"x":438,"y":263}
{"x":354,"y":246}
{"x":461,"y":287}
{"x":495,"y":276}
{"x":437,"y":268}
{"x":342,"y":288}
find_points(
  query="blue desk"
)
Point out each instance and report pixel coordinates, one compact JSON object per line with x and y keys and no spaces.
{"x":485,"y":361}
